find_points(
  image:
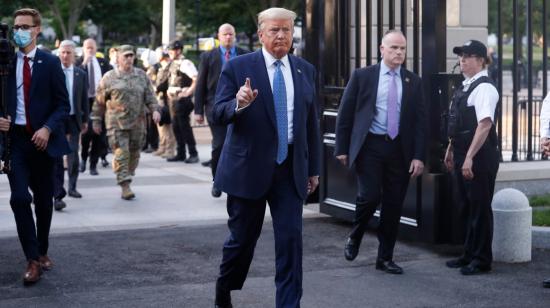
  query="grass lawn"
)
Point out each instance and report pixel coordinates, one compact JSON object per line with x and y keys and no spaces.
{"x":541,"y":216}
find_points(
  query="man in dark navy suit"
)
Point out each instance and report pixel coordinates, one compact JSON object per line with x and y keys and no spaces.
{"x":207,"y":82}
{"x":38,"y":106}
{"x":77,"y":87}
{"x":271,"y":153}
{"x":381,"y":132}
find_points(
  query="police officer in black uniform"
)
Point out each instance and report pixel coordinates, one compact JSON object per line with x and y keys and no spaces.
{"x":472,"y":153}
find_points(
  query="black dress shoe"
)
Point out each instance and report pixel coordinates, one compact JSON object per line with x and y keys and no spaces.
{"x":192,"y":159}
{"x":223,"y":297}
{"x":457,"y":263}
{"x":93,"y":171}
{"x":474,"y":268}
{"x":59,"y":205}
{"x":104,"y":163}
{"x":546,"y":283}
{"x":216,"y":193}
{"x":75,"y":194}
{"x":352,"y":249}
{"x":389,"y":267}
{"x":207,"y":163}
{"x":82,"y":166}
{"x":175,"y":158}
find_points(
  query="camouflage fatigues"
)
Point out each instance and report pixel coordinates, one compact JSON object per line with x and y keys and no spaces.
{"x":123,"y":98}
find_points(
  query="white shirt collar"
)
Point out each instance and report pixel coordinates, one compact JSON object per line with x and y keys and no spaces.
{"x":270,"y":59}
{"x":384,"y":69}
{"x":469,"y":81}
{"x":31,"y":54}
{"x":70,"y":68}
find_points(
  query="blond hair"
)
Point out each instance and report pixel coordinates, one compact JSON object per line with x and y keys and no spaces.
{"x":275,"y":13}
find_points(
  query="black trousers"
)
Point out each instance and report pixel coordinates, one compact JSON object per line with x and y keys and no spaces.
{"x":476,"y":196}
{"x":93,"y":144}
{"x":152,"y":136}
{"x":73,"y":131}
{"x":218,"y":138}
{"x":31,"y":169}
{"x":382,"y":176}
{"x":181,"y":124}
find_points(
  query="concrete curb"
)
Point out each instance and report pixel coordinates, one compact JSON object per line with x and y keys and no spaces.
{"x":541,"y":237}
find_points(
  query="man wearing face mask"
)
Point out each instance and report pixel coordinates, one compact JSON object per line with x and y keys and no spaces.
{"x":38,"y":106}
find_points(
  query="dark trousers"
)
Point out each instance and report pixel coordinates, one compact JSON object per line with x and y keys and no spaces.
{"x":476,"y":196}
{"x":152,"y":136}
{"x":181,"y":124}
{"x":218,"y":138}
{"x":245,"y":224}
{"x":382,"y":176}
{"x":31,"y":169}
{"x":72,"y":162}
{"x":93,"y":144}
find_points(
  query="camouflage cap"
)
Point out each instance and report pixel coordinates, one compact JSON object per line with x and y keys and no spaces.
{"x":175,"y":44}
{"x":126,"y":49}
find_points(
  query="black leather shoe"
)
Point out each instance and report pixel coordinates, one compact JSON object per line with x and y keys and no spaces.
{"x":207,"y":163}
{"x":104,"y":163}
{"x":192,"y":159}
{"x":59,"y":205}
{"x":457,"y":263}
{"x":474,"y":268}
{"x":389,"y":267}
{"x":352,"y":249}
{"x":93,"y":171}
{"x":75,"y":194}
{"x":216,"y":193}
{"x":82,"y":166}
{"x":175,"y":158}
{"x":546,"y":283}
{"x":223,"y":297}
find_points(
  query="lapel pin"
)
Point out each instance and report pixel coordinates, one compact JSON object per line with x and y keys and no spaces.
{"x":39,"y":61}
{"x":407,"y":79}
{"x":299,"y":71}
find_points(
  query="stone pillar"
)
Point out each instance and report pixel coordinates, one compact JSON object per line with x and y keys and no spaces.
{"x":168,"y":20}
{"x":512,"y":226}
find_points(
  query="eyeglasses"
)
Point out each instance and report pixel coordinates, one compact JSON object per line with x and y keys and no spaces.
{"x":130,"y":55}
{"x":24,"y":27}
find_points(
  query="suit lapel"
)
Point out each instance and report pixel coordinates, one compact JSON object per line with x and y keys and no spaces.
{"x":35,"y":71}
{"x":405,"y":91}
{"x":264,"y":86}
{"x":217,"y":62}
{"x":298,"y":86}
{"x":375,"y":81}
{"x":76,"y":84}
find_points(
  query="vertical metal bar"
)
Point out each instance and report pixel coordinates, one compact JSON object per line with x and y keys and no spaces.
{"x":529,"y":80}
{"x":416,"y":37}
{"x":515,"y":78}
{"x":499,"y":65}
{"x":358,"y":33}
{"x":392,"y":14}
{"x":403,"y":22}
{"x":380,"y":25}
{"x":368,"y":30}
{"x":544,"y":48}
{"x":345,"y":18}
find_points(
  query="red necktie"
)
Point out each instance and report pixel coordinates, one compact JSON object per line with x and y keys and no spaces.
{"x":27,"y":91}
{"x":226,"y":55}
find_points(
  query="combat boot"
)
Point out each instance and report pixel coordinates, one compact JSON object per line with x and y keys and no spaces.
{"x":127,"y":193}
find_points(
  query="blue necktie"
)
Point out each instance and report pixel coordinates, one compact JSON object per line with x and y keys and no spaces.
{"x":279,"y":97}
{"x":393,"y":121}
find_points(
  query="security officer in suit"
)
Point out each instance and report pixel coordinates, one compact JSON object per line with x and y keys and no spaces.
{"x":472,"y":155}
{"x":207,"y":81}
{"x":38,"y":106}
{"x":381,"y":132}
{"x":94,"y":68}
{"x":77,"y":87}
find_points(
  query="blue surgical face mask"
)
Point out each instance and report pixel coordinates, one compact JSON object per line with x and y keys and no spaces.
{"x":22,"y":37}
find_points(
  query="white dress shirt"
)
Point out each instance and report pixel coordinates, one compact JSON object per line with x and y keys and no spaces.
{"x":289,"y":84}
{"x":545,"y":117}
{"x":20,"y":109}
{"x":69,"y":81}
{"x":484,"y":97}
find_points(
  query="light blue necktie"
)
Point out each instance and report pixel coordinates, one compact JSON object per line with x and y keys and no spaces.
{"x":279,"y":97}
{"x":393,"y":121}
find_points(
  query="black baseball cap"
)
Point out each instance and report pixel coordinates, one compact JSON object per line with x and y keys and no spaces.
{"x":472,"y":47}
{"x":175,"y":44}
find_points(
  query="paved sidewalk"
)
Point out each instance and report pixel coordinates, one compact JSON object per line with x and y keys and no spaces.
{"x":163,"y":250}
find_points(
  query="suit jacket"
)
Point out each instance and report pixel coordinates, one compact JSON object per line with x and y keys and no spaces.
{"x":247,"y":162}
{"x":210,"y":68}
{"x":80,"y":96}
{"x":103,"y":65}
{"x":358,"y":107}
{"x":49,"y":100}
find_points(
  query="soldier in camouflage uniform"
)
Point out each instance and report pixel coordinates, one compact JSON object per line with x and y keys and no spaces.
{"x":123,"y":95}
{"x":180,"y":86}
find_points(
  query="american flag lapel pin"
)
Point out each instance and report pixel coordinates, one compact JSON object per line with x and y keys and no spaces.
{"x":407,"y":79}
{"x":299,"y":71}
{"x":39,"y":61}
